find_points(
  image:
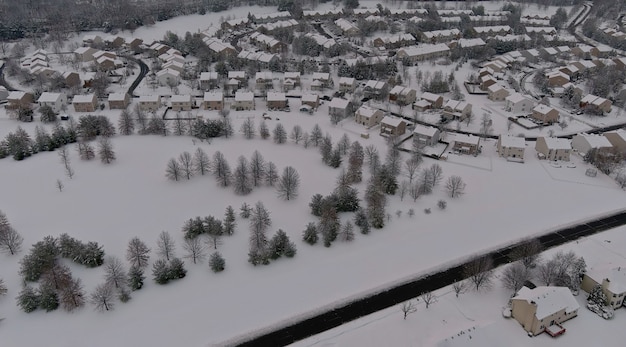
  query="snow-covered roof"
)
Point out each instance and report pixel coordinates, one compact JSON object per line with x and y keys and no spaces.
{"x":346,"y":80}
{"x":367,"y":111}
{"x":615,"y":275}
{"x":236,"y":74}
{"x":425,"y":130}
{"x":456,"y":105}
{"x":279,"y":24}
{"x":620,"y":133}
{"x":338,"y":103}
{"x":117,"y":97}
{"x":51,"y":97}
{"x":276,"y":96}
{"x":492,"y":29}
{"x":512,"y":141}
{"x":244,"y":96}
{"x":322,"y":76}
{"x":374,"y":84}
{"x":168,"y":71}
{"x":441,"y":33}
{"x":310,"y":98}
{"x":149,"y":98}
{"x":262,"y":38}
{"x":273,"y":15}
{"x":292,"y":75}
{"x":415,"y":51}
{"x":477,"y":42}
{"x":213,"y":96}
{"x":208,"y":76}
{"x":595,"y":140}
{"x":550,"y":50}
{"x":469,"y":139}
{"x":392,"y":121}
{"x":511,"y":37}
{"x":80,"y":99}
{"x":540,"y":30}
{"x":543,"y":109}
{"x":549,"y":300}
{"x":16,"y":95}
{"x":181,"y":98}
{"x":361,"y":11}
{"x":453,"y":12}
{"x":321,"y":40}
{"x":345,"y":24}
{"x":495,"y":88}
{"x":263,"y":75}
{"x":430,"y":97}
{"x":557,"y":143}
{"x":516,"y":97}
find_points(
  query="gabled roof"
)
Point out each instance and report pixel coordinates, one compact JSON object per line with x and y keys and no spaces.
{"x":276,"y":96}
{"x":367,"y":111}
{"x":51,"y":97}
{"x":549,"y":300}
{"x":338,"y":103}
{"x":425,"y":130}
{"x":181,"y":98}
{"x":516,"y":97}
{"x":469,"y":139}
{"x":430,"y":97}
{"x":213,"y":96}
{"x":207,"y":76}
{"x":244,"y":96}
{"x":84,"y":99}
{"x":615,"y":275}
{"x":557,"y":143}
{"x":544,"y":109}
{"x":512,"y":141}
{"x":117,"y":97}
{"x":310,"y":98}
{"x":149,"y":98}
{"x":392,"y":121}
{"x":595,"y":140}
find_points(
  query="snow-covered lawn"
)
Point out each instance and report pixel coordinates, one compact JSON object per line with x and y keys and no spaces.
{"x":475,"y":319}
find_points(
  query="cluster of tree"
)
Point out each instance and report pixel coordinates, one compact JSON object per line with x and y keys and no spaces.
{"x":598,"y":302}
{"x":437,"y":83}
{"x":10,"y":240}
{"x":91,"y":126}
{"x":262,"y":250}
{"x":362,"y":70}
{"x":210,"y":128}
{"x":164,"y":271}
{"x":367,"y":28}
{"x":606,"y":160}
{"x":604,"y":81}
{"x":19,"y":144}
{"x":89,"y":254}
{"x":330,"y":156}
{"x":116,"y":281}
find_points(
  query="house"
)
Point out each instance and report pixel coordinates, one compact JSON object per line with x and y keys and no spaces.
{"x":114,"y":41}
{"x":267,"y":43}
{"x":174,"y":64}
{"x":294,"y":76}
{"x":557,"y":78}
{"x":263,"y":80}
{"x":71,"y":78}
{"x":571,"y":70}
{"x":596,"y":102}
{"x":118,"y":101}
{"x":241,"y":76}
{"x":18,"y":100}
{"x":397,"y":41}
{"x":466,"y":144}
{"x":583,"y":143}
{"x":321,"y":40}
{"x":457,"y":109}
{"x":620,"y":63}
{"x":392,"y":126}
{"x":368,"y":116}
{"x":584,"y":65}
{"x":89,"y":40}
{"x":347,"y":28}
{"x":149,"y":102}
{"x":213,"y":100}
{"x":276,"y":101}
{"x":375,"y":89}
{"x":85,"y":103}
{"x":312,"y":100}
{"x":425,"y":135}
{"x":413,"y":54}
{"x":539,"y":309}
{"x":582,"y":51}
{"x":219,"y":47}
{"x":181,"y":102}
{"x":347,"y":84}
{"x":601,"y":51}
{"x":487,"y":81}
{"x":56,"y":101}
{"x":323,"y":80}
{"x":134,"y":44}
{"x":511,"y":147}
{"x":339,"y":107}
{"x":435,"y":101}
{"x":617,"y":139}
{"x":402,"y":95}
{"x":85,"y":54}
{"x":243,"y":101}
{"x":545,"y":114}
{"x":209,"y":80}
{"x":437,"y":36}
{"x":168,"y":77}
{"x":612,"y":279}
{"x":496,"y":65}
{"x":531,"y":55}
{"x":518,"y":103}
{"x":497,"y":92}
{"x":493,"y":30}
{"x":545,"y":30}
{"x":552,"y":148}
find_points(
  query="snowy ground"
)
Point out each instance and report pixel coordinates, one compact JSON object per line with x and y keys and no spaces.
{"x":475,"y":319}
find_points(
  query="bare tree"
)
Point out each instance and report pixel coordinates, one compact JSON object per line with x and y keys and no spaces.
{"x":459,"y":287}
{"x":455,"y":186}
{"x":102,"y":297}
{"x":288,"y":184}
{"x":429,"y":298}
{"x":485,"y":125}
{"x":404,"y":188}
{"x":186,"y":164}
{"x":547,"y":273}
{"x":115,"y":272}
{"x":528,"y":253}
{"x":3,"y":288}
{"x":410,"y":169}
{"x":436,"y":174}
{"x":165,"y":245}
{"x":85,"y":151}
{"x":221,"y":169}
{"x":65,"y":160}
{"x":194,"y":249}
{"x":126,"y":123}
{"x":173,"y":170}
{"x":105,"y":150}
{"x":407,"y":308}
{"x":73,"y":295}
{"x":10,"y":240}
{"x":202,"y":163}
{"x":515,"y":275}
{"x":415,"y":191}
{"x":271,"y":175}
{"x":296,"y":134}
{"x":60,"y":185}
{"x":479,"y":272}
{"x":257,"y":168}
{"x":247,"y":128}
{"x":242,"y":178}
{"x":137,"y":253}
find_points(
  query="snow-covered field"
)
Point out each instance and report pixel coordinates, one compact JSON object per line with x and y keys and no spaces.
{"x":475,"y":319}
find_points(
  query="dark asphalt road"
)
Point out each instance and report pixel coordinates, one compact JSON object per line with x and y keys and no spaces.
{"x":403,"y":292}
{"x":143,"y":71}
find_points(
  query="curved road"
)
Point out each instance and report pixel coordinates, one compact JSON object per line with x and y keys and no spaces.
{"x":406,"y":291}
{"x":143,"y":71}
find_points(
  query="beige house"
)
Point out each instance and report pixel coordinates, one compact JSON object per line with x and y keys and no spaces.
{"x":613,"y":282}
{"x":368,"y":116}
{"x":457,"y":109}
{"x":149,"y":102}
{"x":583,"y":143}
{"x":601,"y":104}
{"x":118,"y":101}
{"x":413,"y":54}
{"x":18,"y":99}
{"x":213,"y":100}
{"x":375,"y":89}
{"x":402,"y":95}
{"x":339,"y":107}
{"x":552,"y":148}
{"x":323,"y":80}
{"x":425,"y":135}
{"x":181,"y":102}
{"x":243,"y":101}
{"x":392,"y":126}
{"x":557,"y":78}
{"x":56,"y":101}
{"x":85,"y":54}
{"x":71,"y":78}
{"x":312,"y":100}
{"x":276,"y":101}
{"x":466,"y":144}
{"x":511,"y":147}
{"x":347,"y":84}
{"x":85,"y":103}
{"x":617,"y":139}
{"x":545,"y":114}
{"x":435,"y":101}
{"x":518,"y":103}
{"x":497,"y":92}
{"x":263,"y":80}
{"x":542,"y":308}
{"x":209,"y":80}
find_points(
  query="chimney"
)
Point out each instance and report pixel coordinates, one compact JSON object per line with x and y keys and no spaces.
{"x":605,"y":283}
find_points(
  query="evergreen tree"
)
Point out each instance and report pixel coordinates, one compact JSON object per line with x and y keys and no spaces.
{"x":245,"y":211}
{"x":28,"y":300}
{"x":355,"y":162}
{"x":137,"y":253}
{"x":335,"y":158}
{"x":242,"y":180}
{"x":316,"y":135}
{"x":310,"y":234}
{"x":126,"y":123}
{"x":316,"y":204}
{"x":264,"y":131}
{"x":280,"y":245}
{"x":229,"y":221}
{"x":329,"y":222}
{"x":160,"y":272}
{"x":347,"y":232}
{"x":271,"y":174}
{"x":217,"y":262}
{"x":326,"y":149}
{"x":280,"y":134}
{"x":42,"y":257}
{"x":3,"y":288}
{"x":257,"y":168}
{"x":48,"y":298}
{"x":597,"y":296}
{"x":259,"y":223}
{"x":135,"y":278}
{"x":176,"y":269}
